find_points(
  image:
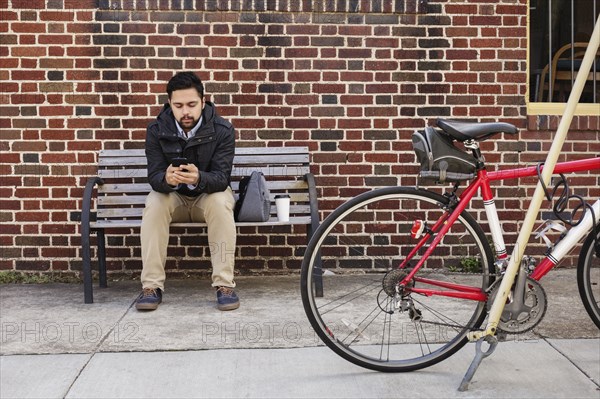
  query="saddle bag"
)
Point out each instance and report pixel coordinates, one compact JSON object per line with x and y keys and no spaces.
{"x":254,"y":203}
{"x":440,"y":160}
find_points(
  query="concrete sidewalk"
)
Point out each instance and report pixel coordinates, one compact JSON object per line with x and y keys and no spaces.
{"x":53,"y":345}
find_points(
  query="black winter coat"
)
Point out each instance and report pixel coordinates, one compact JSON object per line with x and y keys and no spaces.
{"x":211,"y":150}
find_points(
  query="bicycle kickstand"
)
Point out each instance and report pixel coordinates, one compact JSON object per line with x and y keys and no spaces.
{"x":480,"y":354}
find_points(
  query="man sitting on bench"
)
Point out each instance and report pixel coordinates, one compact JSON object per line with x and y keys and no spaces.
{"x":190,"y":151}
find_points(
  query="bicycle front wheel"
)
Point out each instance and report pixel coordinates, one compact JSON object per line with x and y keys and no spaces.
{"x":364,"y":315}
{"x":588,"y":277}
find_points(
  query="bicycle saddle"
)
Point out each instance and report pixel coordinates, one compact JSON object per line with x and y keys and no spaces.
{"x":463,"y":131}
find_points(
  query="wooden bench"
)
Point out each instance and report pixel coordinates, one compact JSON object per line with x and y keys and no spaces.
{"x":121,"y":188}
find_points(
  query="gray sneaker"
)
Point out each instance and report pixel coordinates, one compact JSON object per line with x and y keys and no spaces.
{"x":149,"y":299}
{"x":227,"y":299}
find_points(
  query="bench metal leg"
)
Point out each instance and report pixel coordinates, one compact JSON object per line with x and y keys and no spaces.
{"x":88,"y":296}
{"x":102,"y":259}
{"x":318,"y":270}
{"x":86,"y":215}
{"x":311,"y":228}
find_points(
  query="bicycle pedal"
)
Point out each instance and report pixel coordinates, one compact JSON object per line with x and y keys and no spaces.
{"x":501,"y":336}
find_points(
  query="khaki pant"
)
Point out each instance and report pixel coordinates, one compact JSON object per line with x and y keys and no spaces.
{"x":215,"y":209}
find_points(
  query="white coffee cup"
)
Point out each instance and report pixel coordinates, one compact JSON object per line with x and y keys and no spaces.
{"x":282,"y":202}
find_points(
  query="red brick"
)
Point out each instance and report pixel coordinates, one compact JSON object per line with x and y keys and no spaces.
{"x":301,"y":52}
{"x":509,"y":9}
{"x":304,"y":76}
{"x":328,"y":88}
{"x":354,"y":53}
{"x":485,"y":20}
{"x":382,"y":42}
{"x":381,"y":65}
{"x":56,"y":63}
{"x":54,"y":111}
{"x":27,"y":27}
{"x":56,"y":16}
{"x":381,"y":88}
{"x":111,"y":111}
{"x":220,"y":41}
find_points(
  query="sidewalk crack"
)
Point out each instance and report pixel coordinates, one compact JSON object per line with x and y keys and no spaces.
{"x":591,"y":378}
{"x":98,"y":346}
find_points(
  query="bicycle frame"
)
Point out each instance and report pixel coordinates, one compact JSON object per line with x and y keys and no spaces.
{"x":482,"y":182}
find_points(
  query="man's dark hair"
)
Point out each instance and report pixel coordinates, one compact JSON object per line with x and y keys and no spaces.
{"x":185,"y":80}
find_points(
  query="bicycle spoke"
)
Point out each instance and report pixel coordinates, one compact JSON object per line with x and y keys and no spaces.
{"x":419,"y":325}
{"x":388,"y":323}
{"x":445,"y":319}
{"x":365,"y":326}
{"x":347,"y":298}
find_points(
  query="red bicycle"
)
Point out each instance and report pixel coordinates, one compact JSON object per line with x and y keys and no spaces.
{"x":407,"y":273}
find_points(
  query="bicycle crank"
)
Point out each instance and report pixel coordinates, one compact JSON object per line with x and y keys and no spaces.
{"x":525,"y":306}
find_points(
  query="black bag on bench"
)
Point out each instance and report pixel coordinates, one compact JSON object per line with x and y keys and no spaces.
{"x":254,"y":203}
{"x":440,"y":160}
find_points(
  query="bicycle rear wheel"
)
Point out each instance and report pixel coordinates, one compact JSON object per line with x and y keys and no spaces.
{"x":588,"y":278}
{"x":362,"y":315}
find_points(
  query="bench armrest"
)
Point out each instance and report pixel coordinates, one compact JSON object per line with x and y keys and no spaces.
{"x":86,"y":206}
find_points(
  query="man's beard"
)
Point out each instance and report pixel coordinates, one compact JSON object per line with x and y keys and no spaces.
{"x":188,"y":123}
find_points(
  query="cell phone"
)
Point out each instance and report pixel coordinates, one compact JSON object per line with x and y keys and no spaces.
{"x":178,"y":161}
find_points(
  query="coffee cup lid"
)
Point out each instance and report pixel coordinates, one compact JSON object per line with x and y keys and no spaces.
{"x":282,"y":196}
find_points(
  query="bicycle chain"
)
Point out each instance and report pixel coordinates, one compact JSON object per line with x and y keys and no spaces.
{"x":497,"y":275}
{"x":441,"y":324}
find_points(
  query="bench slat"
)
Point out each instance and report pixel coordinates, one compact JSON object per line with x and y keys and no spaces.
{"x":124,"y":188}
{"x":140,"y":152}
{"x":122,"y":173}
{"x":107,"y":213}
{"x":273,"y":185}
{"x":270,"y":159}
{"x":237,"y":172}
{"x":271,"y":171}
{"x":135,"y":223}
{"x":263,"y":159}
{"x":114,"y":200}
{"x":105,"y":200}
{"x":122,"y":161}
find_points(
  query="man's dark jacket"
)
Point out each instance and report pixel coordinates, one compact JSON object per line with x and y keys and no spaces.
{"x":211,"y":150}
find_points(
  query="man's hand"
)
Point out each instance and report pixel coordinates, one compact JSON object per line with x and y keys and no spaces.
{"x":184,"y":174}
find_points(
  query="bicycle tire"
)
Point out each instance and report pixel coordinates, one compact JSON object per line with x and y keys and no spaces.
{"x":357,"y":230}
{"x":588,"y":278}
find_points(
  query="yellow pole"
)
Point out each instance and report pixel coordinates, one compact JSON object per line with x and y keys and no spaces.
{"x":538,"y":196}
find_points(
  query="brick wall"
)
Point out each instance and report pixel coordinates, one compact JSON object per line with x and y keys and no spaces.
{"x":350,"y":79}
